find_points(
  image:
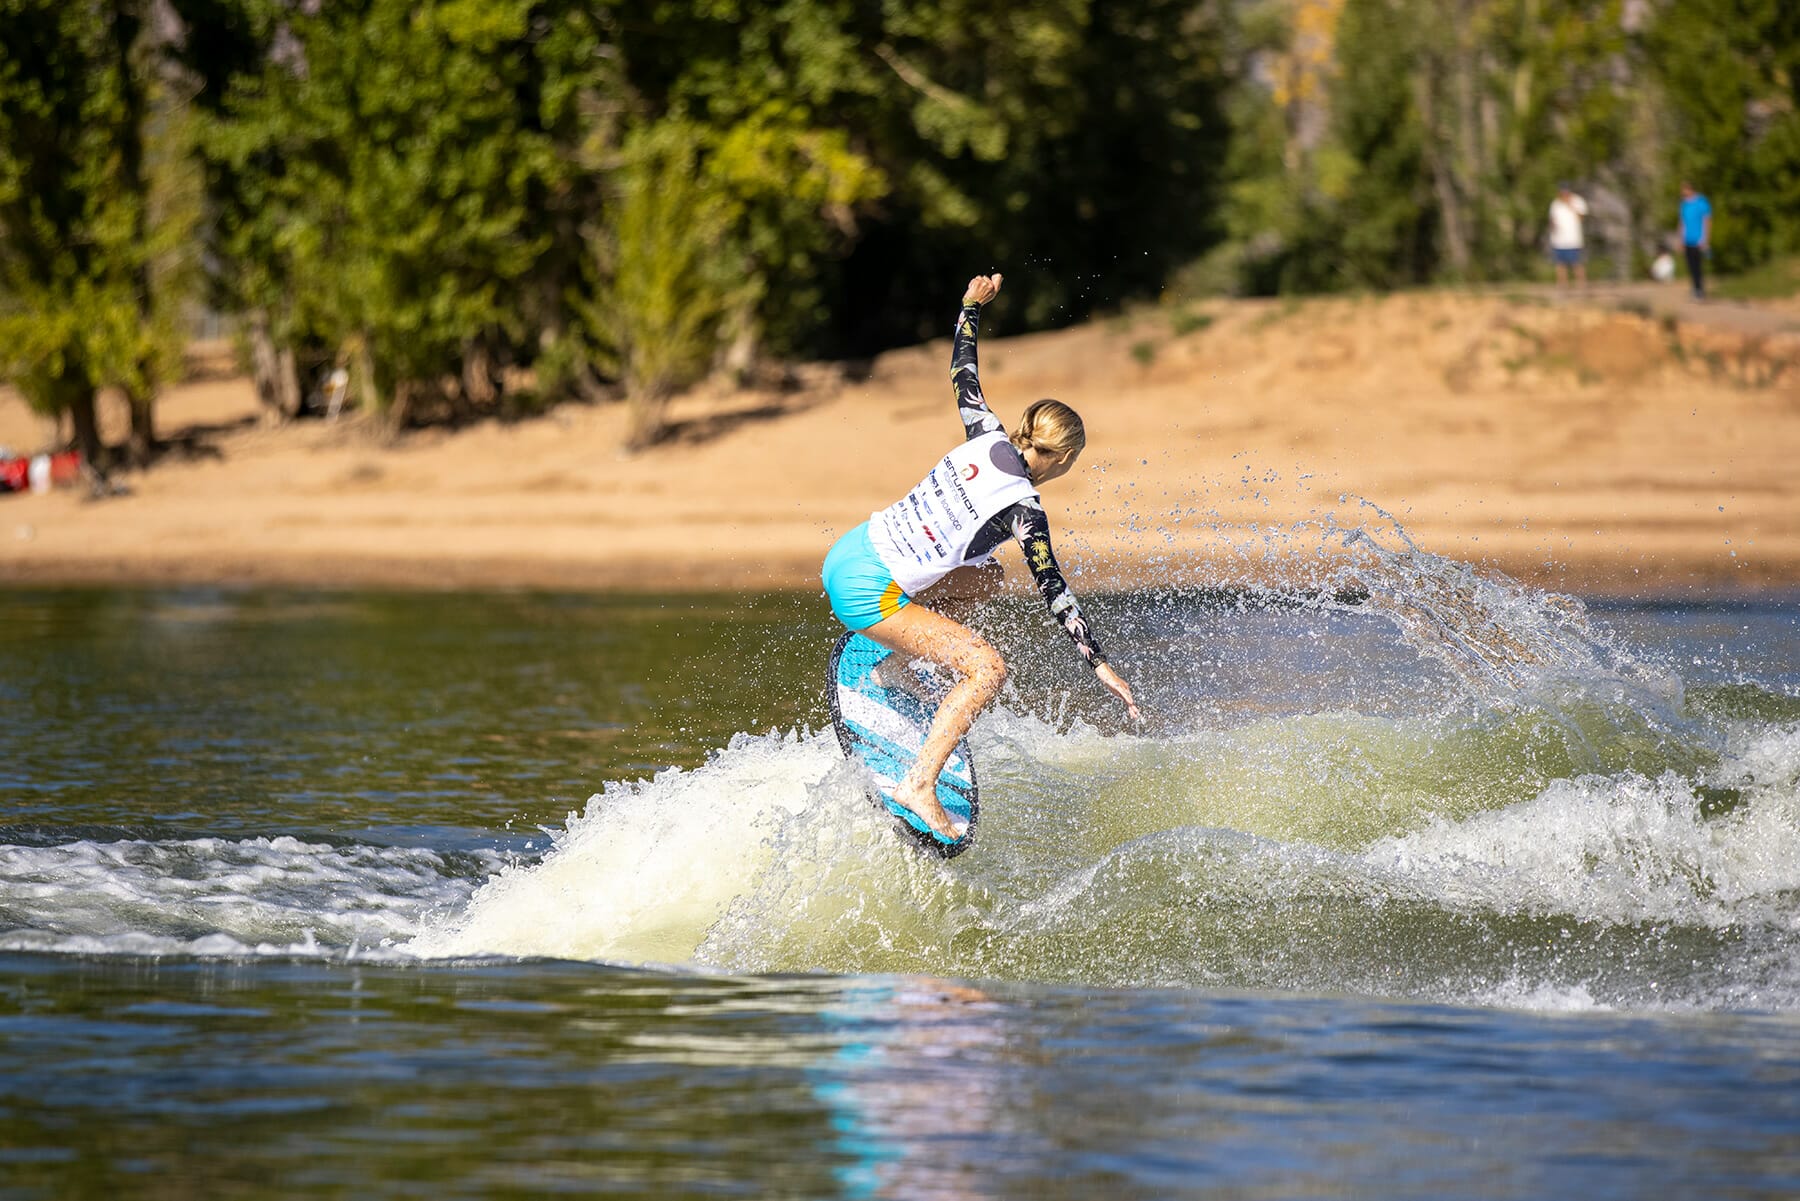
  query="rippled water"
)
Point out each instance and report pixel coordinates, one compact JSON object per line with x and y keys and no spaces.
{"x":1419,"y":883}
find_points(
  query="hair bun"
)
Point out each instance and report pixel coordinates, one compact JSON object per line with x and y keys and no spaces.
{"x":1050,"y":427}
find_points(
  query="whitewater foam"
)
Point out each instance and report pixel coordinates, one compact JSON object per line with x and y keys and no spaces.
{"x":1621,"y":849}
{"x":214,"y":896}
{"x":1501,"y":804}
{"x":642,"y":873}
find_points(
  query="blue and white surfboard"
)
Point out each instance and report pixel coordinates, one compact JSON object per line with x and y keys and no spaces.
{"x":884,"y":728}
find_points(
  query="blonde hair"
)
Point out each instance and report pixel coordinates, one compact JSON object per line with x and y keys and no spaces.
{"x":1051,"y":426}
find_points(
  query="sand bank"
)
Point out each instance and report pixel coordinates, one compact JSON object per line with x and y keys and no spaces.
{"x":1604,"y":447}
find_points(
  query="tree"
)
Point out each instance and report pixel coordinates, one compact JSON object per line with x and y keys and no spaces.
{"x":93,"y":213}
{"x":664,"y":289}
{"x":1448,"y":129}
{"x":1071,"y":142}
{"x":393,"y":168}
{"x":1730,"y":71}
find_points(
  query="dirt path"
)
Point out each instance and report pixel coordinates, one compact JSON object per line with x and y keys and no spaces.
{"x":1674,"y":301}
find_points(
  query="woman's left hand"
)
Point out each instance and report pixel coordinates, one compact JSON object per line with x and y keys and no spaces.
{"x":1116,"y":684}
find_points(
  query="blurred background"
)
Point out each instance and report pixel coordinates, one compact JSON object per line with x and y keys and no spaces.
{"x":524,"y":299}
{"x":475,"y":203}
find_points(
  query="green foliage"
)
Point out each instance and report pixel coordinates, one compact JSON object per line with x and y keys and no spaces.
{"x":390,"y":170}
{"x":1731,"y":74}
{"x":1069,"y":143}
{"x":97,"y":205}
{"x":1449,"y":127}
{"x":666,"y":283}
{"x":1777,"y":279}
{"x":1185,"y":321}
{"x":626,"y":195}
{"x":1347,"y":205}
{"x":788,"y":193}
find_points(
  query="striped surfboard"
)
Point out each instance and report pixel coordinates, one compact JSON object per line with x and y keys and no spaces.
{"x":883,"y":728}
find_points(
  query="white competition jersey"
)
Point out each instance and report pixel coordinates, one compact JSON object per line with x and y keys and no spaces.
{"x":925,"y":535}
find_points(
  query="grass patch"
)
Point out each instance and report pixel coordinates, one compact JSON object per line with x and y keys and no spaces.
{"x":1777,"y":279}
{"x":1188,"y":321}
{"x":1144,"y":352}
{"x":1289,"y":306}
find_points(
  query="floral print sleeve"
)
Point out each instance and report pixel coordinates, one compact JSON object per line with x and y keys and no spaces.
{"x":1031,"y":528}
{"x":971,"y":405}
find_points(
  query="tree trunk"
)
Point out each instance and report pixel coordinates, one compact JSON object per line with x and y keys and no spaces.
{"x":744,"y":348}
{"x":87,"y":428}
{"x":400,"y":408}
{"x":127,"y":22}
{"x":1443,"y":183}
{"x":362,"y":376}
{"x":1468,"y":154}
{"x":479,"y":379}
{"x":276,"y":376}
{"x":287,"y":384}
{"x":262,"y":363}
{"x":143,"y":428}
{"x":644,"y":417}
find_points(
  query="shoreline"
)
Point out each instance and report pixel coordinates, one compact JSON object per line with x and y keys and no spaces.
{"x":1671,"y":584}
{"x":1582,"y":450}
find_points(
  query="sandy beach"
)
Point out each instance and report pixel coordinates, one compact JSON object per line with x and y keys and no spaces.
{"x":1623,"y":444}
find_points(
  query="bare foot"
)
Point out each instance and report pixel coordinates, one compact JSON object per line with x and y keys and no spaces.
{"x":922,"y":800}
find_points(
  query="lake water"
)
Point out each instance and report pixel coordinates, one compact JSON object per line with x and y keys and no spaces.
{"x":1418,"y":884}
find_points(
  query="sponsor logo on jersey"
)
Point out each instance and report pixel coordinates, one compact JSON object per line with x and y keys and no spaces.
{"x":971,"y":471}
{"x":961,"y":492}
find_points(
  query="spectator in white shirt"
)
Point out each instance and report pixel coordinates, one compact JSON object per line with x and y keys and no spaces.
{"x":1567,"y":249}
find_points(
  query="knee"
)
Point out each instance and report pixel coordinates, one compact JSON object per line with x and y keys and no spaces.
{"x":988,"y":669}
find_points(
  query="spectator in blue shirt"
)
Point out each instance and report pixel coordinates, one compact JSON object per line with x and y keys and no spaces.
{"x":1696,"y":235}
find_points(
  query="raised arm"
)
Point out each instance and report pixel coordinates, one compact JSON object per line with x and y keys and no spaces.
{"x":971,"y":405}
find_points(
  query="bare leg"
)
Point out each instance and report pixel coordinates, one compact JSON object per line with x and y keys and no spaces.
{"x":923,"y":634}
{"x":956,"y":596}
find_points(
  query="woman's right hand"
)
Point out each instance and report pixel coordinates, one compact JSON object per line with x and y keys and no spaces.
{"x":982,"y":289}
{"x":1116,"y":684}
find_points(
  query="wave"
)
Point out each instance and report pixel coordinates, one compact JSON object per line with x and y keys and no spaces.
{"x":1317,"y":854}
{"x":223,"y":897}
{"x":1498,"y":801}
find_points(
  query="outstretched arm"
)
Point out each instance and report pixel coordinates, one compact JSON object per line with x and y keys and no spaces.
{"x":1032,"y":529}
{"x":977,"y":418}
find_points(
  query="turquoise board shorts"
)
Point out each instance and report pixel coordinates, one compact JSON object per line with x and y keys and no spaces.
{"x":861,"y":589}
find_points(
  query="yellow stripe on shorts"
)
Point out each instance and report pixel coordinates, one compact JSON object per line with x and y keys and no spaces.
{"x":891,"y":596}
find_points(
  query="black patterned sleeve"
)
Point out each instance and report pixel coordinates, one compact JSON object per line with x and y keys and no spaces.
{"x":971,"y":405}
{"x":1032,"y":530}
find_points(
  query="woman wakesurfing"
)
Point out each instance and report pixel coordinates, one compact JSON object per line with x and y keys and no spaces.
{"x":888,"y":577}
